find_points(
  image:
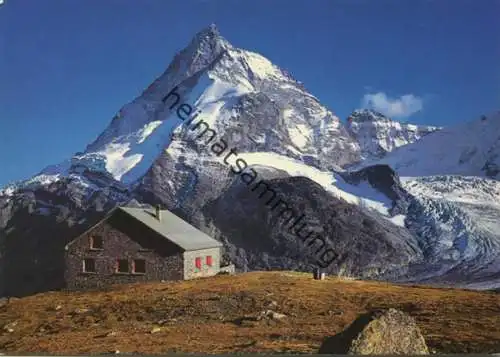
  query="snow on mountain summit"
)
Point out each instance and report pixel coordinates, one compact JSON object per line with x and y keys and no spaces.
{"x":216,"y":78}
{"x":377,"y":134}
{"x":468,"y":149}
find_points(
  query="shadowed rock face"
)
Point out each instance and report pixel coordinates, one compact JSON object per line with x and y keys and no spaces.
{"x":381,"y":332}
{"x":381,"y":177}
{"x":258,"y":237}
{"x":384,"y":179}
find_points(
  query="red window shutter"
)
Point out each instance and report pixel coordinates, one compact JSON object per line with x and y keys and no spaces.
{"x":198,"y":263}
{"x":209,"y":260}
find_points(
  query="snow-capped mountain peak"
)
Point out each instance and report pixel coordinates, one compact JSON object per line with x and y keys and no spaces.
{"x":225,"y":84}
{"x":364,"y":115}
{"x":471,"y":149}
{"x":377,"y":134}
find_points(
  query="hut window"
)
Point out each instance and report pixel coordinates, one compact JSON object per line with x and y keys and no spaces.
{"x":89,"y":265}
{"x":139,"y":266}
{"x":96,"y":242}
{"x":122,"y":266}
{"x":198,"y":263}
{"x":209,"y":260}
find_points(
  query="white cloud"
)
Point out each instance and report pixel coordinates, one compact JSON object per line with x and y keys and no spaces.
{"x":401,"y":107}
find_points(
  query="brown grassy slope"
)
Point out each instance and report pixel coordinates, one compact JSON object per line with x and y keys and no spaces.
{"x":208,"y":315}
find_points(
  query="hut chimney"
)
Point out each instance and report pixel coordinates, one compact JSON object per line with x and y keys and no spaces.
{"x":158,"y":212}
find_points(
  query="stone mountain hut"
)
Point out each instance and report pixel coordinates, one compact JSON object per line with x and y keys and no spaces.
{"x":135,"y":244}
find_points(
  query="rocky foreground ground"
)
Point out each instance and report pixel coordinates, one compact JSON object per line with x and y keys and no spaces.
{"x":252,"y":312}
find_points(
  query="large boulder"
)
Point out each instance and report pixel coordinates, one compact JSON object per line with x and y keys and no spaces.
{"x":380,"y":332}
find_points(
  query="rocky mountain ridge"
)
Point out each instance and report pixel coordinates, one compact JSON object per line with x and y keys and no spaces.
{"x":377,"y":134}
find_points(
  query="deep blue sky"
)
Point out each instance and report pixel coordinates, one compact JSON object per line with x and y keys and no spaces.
{"x":67,"y":66}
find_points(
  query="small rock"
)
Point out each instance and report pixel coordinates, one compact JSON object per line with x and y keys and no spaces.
{"x":156,"y":329}
{"x":271,"y":314}
{"x":166,"y":321}
{"x":277,"y":316}
{"x":272,"y":304}
{"x":111,"y":334}
{"x":58,"y":307}
{"x":81,"y":311}
{"x":9,"y":327}
{"x":335,"y":313}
